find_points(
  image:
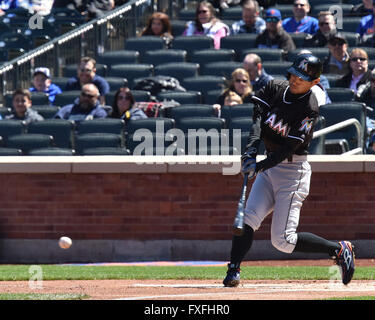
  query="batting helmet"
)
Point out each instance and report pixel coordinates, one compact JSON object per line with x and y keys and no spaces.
{"x":307,"y":67}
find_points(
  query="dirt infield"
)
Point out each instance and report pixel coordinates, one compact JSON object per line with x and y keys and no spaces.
{"x":204,"y":289}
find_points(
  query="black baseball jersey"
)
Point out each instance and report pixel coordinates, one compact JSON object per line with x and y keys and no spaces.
{"x":284,"y":121}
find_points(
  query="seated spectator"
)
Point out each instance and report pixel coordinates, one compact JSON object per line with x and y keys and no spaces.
{"x":232,"y":99}
{"x":86,"y":73}
{"x":359,"y":72}
{"x":362,"y":9}
{"x":42,"y":7}
{"x":337,"y":61}
{"x":86,"y":107}
{"x":366,"y":25}
{"x":252,"y":63}
{"x":159,"y":25}
{"x":42,"y":83}
{"x":301,"y":22}
{"x":366,"y":91}
{"x":240,"y":84}
{"x":207,"y":24}
{"x":5,"y":5}
{"x":327,"y":27}
{"x":275,"y":36}
{"x":123,"y":106}
{"x":251,"y":22}
{"x":21,"y":103}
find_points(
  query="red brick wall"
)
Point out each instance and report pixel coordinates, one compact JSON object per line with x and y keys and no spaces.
{"x":196,"y":206}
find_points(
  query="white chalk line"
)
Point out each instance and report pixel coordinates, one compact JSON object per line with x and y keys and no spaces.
{"x":257,"y":289}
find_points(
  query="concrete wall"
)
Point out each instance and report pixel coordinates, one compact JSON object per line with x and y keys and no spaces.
{"x":118,"y":208}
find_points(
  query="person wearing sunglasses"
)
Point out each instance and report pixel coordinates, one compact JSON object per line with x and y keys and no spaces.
{"x":337,"y":61}
{"x":86,"y":73}
{"x":327,"y":27}
{"x":206,"y":23}
{"x":123,"y":106}
{"x":275,"y":37}
{"x":251,"y":22}
{"x":239,"y":84}
{"x":359,"y":71}
{"x":301,"y":22}
{"x":86,"y":107}
{"x":252,"y":63}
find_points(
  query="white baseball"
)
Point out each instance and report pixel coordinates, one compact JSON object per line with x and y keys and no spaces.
{"x":65,"y":242}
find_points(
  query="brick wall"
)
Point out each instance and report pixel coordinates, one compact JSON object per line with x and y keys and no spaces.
{"x":187,"y":206}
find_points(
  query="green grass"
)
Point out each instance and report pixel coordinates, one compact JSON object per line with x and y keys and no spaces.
{"x":41,"y":296}
{"x":67,"y":272}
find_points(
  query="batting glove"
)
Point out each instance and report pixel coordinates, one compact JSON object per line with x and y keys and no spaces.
{"x":248,"y":164}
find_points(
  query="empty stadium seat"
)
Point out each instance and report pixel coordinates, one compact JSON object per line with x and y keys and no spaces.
{"x":118,"y":151}
{"x":139,"y":96}
{"x":29,"y":141}
{"x":178,"y":70}
{"x":203,"y":83}
{"x":52,"y":151}
{"x":46,"y":111}
{"x":143,"y":44}
{"x":238,"y":42}
{"x":238,"y":111}
{"x":10,"y":151}
{"x":277,"y":67}
{"x":338,"y":112}
{"x":266,"y":54}
{"x":192,"y":43}
{"x":130,"y":71}
{"x":178,"y":27}
{"x":212,"y":55}
{"x":189,"y":111}
{"x":61,"y":130}
{"x":118,"y":57}
{"x":340,"y":94}
{"x":66,"y":97}
{"x":96,"y":140}
{"x":321,"y":53}
{"x":182,"y":97}
{"x":221,"y":68}
{"x":11,"y":127}
{"x":350,"y":24}
{"x":116,"y":82}
{"x":157,"y":57}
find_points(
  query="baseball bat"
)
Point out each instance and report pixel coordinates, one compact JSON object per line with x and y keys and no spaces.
{"x":238,"y":221}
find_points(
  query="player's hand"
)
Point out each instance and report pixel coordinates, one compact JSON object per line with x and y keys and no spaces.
{"x":248,"y":165}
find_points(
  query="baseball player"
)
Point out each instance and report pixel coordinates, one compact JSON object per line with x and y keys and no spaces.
{"x":284,"y":116}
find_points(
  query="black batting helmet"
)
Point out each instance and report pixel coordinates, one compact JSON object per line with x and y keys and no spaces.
{"x":307,"y":67}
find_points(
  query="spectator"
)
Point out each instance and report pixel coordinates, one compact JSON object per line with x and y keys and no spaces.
{"x":42,"y":83}
{"x":207,"y":24}
{"x":327,"y":27}
{"x":252,"y":63}
{"x":359,"y":72}
{"x":21,"y":102}
{"x":362,"y":9}
{"x":275,"y":36}
{"x":123,"y":106}
{"x":366,"y":92}
{"x":366,"y":25}
{"x":86,"y":107}
{"x":301,"y":22}
{"x":337,"y":61}
{"x":240,"y":84}
{"x":42,"y":7}
{"x":86,"y":73}
{"x":159,"y":25}
{"x":251,"y":21}
{"x":232,"y":99}
{"x":5,"y":5}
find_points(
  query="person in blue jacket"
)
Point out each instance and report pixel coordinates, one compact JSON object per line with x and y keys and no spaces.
{"x":42,"y":83}
{"x":86,"y":107}
{"x":301,"y":22}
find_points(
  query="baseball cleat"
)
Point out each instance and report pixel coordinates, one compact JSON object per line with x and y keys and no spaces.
{"x":233,"y":276}
{"x":345,"y":260}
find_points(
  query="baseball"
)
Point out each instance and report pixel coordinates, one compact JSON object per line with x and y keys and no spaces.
{"x":65,"y":242}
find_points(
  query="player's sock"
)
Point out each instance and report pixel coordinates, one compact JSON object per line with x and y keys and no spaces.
{"x":309,"y":242}
{"x":241,"y":245}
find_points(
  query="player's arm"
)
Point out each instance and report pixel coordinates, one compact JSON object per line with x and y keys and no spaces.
{"x":301,"y":133}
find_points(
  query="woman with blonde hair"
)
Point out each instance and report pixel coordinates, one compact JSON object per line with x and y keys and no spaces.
{"x":159,"y":24}
{"x":239,"y":84}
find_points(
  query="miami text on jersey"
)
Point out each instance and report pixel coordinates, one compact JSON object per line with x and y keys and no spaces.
{"x":279,"y":127}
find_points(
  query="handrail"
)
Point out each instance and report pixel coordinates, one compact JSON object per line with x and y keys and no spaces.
{"x":340,"y":125}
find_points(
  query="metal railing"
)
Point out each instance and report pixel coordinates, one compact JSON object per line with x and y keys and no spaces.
{"x":90,"y":39}
{"x":341,"y":125}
